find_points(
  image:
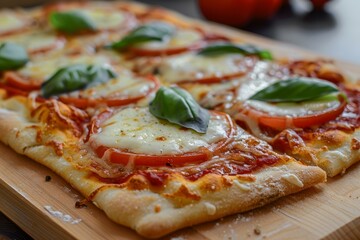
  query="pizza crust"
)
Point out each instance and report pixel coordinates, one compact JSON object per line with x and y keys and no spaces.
{"x":270,"y":184}
{"x":150,"y":211}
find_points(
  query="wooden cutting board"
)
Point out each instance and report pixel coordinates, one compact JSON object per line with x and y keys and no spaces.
{"x":329,"y":211}
{"x":46,"y":210}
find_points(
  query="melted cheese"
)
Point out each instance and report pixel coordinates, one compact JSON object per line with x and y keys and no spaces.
{"x":181,"y":39}
{"x":293,"y":179}
{"x":104,"y":18}
{"x":10,"y":21}
{"x":124,"y":85}
{"x":138,"y":131}
{"x":36,"y":40}
{"x":192,"y":67}
{"x":258,"y":79}
{"x":40,"y":70}
{"x":210,"y":208}
{"x":293,"y":109}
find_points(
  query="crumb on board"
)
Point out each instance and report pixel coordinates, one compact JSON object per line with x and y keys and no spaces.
{"x":80,"y":204}
{"x":47,"y":178}
{"x":257,"y":230}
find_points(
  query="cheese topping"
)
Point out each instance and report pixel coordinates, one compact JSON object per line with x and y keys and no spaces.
{"x":293,"y":109}
{"x":138,"y":131}
{"x":9,"y":21}
{"x":210,"y":208}
{"x":182,"y":38}
{"x":41,"y":70}
{"x":36,"y":40}
{"x":192,"y":67}
{"x":105,"y":19}
{"x":124,"y":85}
{"x":292,"y":178}
{"x":257,"y":80}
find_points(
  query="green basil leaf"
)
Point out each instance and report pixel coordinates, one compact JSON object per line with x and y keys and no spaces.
{"x":12,"y":56}
{"x":226,"y":48}
{"x":71,"y":22}
{"x":295,"y":90}
{"x":155,"y":31}
{"x":74,"y":78}
{"x":178,"y":106}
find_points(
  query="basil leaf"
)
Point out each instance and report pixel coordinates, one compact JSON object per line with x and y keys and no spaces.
{"x":155,"y":31}
{"x":226,"y":48}
{"x":295,"y":90}
{"x":71,"y":22}
{"x":12,"y":56}
{"x":178,"y":106}
{"x":74,"y":78}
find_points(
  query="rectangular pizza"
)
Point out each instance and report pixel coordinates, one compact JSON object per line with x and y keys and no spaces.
{"x":164,"y":122}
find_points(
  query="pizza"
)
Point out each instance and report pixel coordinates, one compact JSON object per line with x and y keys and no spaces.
{"x":163,"y":122}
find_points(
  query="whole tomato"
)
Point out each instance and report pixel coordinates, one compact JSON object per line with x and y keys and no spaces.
{"x":238,"y":12}
{"x":231,"y":12}
{"x":319,"y":4}
{"x":266,"y":9}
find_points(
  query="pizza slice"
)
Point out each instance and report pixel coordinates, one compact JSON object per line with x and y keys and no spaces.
{"x":314,"y":126}
{"x":150,"y":174}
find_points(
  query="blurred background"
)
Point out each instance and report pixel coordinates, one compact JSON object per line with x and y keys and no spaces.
{"x":332,"y":31}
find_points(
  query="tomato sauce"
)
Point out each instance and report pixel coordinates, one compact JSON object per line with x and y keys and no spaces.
{"x":158,"y":177}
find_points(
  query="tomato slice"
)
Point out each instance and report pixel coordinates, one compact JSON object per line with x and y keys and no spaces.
{"x":124,"y":157}
{"x":283,"y":122}
{"x":17,"y":81}
{"x":13,"y":91}
{"x":111,"y":102}
{"x":57,"y":44}
{"x":214,"y":79}
{"x":142,"y":52}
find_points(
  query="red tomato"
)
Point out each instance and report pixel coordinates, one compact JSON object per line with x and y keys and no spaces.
{"x":124,"y":157}
{"x":266,"y":9}
{"x":215,"y":79}
{"x":238,"y":12}
{"x":142,"y":52}
{"x":282,"y":122}
{"x":319,"y":4}
{"x":231,"y":12}
{"x":109,"y":101}
{"x":11,"y":91}
{"x":14,"y":79}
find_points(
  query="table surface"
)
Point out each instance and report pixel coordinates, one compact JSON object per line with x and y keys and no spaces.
{"x":332,"y":33}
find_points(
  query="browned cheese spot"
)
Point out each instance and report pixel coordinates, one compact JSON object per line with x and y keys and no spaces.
{"x":355,"y":144}
{"x":161,"y":138}
{"x":58,"y":147}
{"x":157,"y":208}
{"x":137,"y":182}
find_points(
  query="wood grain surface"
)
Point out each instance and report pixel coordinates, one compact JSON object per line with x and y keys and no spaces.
{"x":327,"y":211}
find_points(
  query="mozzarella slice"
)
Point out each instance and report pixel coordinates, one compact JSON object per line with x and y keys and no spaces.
{"x":191,"y":66}
{"x":10,"y":22}
{"x":125,"y":85}
{"x":105,"y":19}
{"x":262,"y":75}
{"x":36,"y":41}
{"x":181,"y":39}
{"x":293,"y":109}
{"x":137,"y":130}
{"x":40,"y":70}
